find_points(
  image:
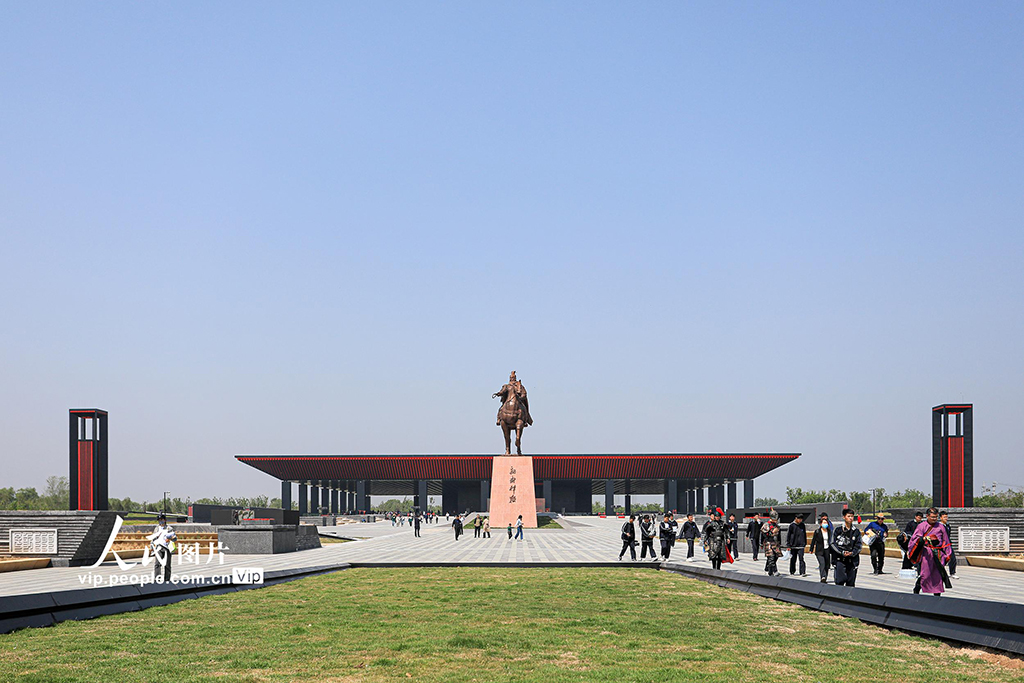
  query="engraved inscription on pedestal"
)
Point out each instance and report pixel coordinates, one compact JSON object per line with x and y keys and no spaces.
{"x":978,"y":539}
{"x":33,"y":541}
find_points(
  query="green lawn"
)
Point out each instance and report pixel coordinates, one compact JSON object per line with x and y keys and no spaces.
{"x":471,"y":624}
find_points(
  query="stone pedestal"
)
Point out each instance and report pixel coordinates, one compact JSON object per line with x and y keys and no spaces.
{"x":512,"y":491}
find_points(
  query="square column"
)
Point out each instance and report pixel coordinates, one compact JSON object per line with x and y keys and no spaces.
{"x":485,"y":494}
{"x":303,"y":503}
{"x":421,"y":499}
{"x":748,"y":493}
{"x":629,"y":498}
{"x":334,"y":501}
{"x":362,"y":500}
{"x":325,"y":497}
{"x":671,"y":495}
{"x":286,"y":495}
{"x":609,"y":497}
{"x":731,"y":490}
{"x":314,"y":499}
{"x":547,"y":495}
{"x":700,"y":507}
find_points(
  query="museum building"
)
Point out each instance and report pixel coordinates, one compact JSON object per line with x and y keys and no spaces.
{"x":688,"y":482}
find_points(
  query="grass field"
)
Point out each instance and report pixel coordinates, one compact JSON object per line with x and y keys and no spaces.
{"x":472,"y":624}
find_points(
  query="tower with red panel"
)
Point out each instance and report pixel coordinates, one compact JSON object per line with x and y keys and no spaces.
{"x":953,"y":455}
{"x":88,"y":459}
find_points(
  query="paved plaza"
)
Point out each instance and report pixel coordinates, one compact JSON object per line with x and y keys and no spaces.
{"x":583,"y":541}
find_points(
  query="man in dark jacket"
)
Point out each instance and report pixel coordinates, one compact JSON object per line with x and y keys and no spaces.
{"x":951,"y":567}
{"x":457,"y":525}
{"x":846,"y":545}
{"x":796,"y":541}
{"x":820,"y":546}
{"x":754,"y":534}
{"x":648,"y":530}
{"x":689,"y":532}
{"x":667,"y":532}
{"x":629,"y":538}
{"x":734,"y":533}
{"x":903,"y":540}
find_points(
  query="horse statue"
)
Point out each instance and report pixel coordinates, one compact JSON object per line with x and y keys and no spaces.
{"x":514,"y":413}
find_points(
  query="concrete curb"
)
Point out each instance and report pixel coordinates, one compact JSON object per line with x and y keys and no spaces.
{"x":47,"y":609}
{"x":996,"y":625}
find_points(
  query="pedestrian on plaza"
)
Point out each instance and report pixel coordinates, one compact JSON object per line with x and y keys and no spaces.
{"x":876,"y":532}
{"x":519,"y":528}
{"x":796,"y":541}
{"x":648,"y":530}
{"x":628,"y":535}
{"x":771,"y":542}
{"x":944,"y":520}
{"x":754,"y":534}
{"x":476,"y":526}
{"x":162,"y":541}
{"x":487,"y":527}
{"x":667,"y":534}
{"x":416,"y":525}
{"x":734,"y":533}
{"x":903,"y":541}
{"x":930,"y":550}
{"x":716,"y":539}
{"x":820,"y":542}
{"x":846,"y":545}
{"x":689,"y":532}
{"x":457,"y":525}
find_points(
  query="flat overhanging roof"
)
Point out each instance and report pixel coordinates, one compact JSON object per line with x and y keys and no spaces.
{"x":697,"y":466}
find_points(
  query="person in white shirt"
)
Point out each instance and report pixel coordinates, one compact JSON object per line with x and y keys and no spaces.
{"x":161,"y":540}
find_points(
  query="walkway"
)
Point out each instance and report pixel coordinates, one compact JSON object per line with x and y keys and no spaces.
{"x":583,"y":541}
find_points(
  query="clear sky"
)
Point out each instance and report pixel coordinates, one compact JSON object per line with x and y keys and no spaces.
{"x":336,"y":227}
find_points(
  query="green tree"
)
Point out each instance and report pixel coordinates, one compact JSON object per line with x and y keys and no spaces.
{"x":860,"y":501}
{"x":765,"y":502}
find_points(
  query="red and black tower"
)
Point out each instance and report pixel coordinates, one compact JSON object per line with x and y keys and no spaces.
{"x":953,"y":455}
{"x":88,"y":459}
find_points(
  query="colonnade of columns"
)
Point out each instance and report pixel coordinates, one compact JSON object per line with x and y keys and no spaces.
{"x":352,"y":496}
{"x":332,"y":496}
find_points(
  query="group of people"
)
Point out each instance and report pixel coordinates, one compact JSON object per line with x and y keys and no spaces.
{"x":482,"y":527}
{"x":925,"y":543}
{"x":719,"y":537}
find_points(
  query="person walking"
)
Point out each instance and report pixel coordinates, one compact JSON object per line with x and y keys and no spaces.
{"x":903,"y":540}
{"x":457,"y":525}
{"x":648,"y":530}
{"x":951,"y":567}
{"x":416,"y":521}
{"x":796,"y":541}
{"x":771,"y":542}
{"x":689,"y":532}
{"x":162,"y":541}
{"x":820,"y":546}
{"x":754,"y":534}
{"x":510,"y":531}
{"x":846,"y":545}
{"x":476,"y":527}
{"x":876,"y":532}
{"x":519,"y":528}
{"x":628,"y":535}
{"x":716,"y":539}
{"x":667,"y":534}
{"x":930,"y":550}
{"x":487,"y":527}
{"x":734,"y":533}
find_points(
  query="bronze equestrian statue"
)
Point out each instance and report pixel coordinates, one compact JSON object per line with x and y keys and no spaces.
{"x":514,"y":412}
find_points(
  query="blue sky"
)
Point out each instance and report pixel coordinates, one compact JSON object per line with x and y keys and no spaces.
{"x":250,"y":227}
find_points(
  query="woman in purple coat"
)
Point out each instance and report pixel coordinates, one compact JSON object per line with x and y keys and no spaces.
{"x":931,"y":547}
